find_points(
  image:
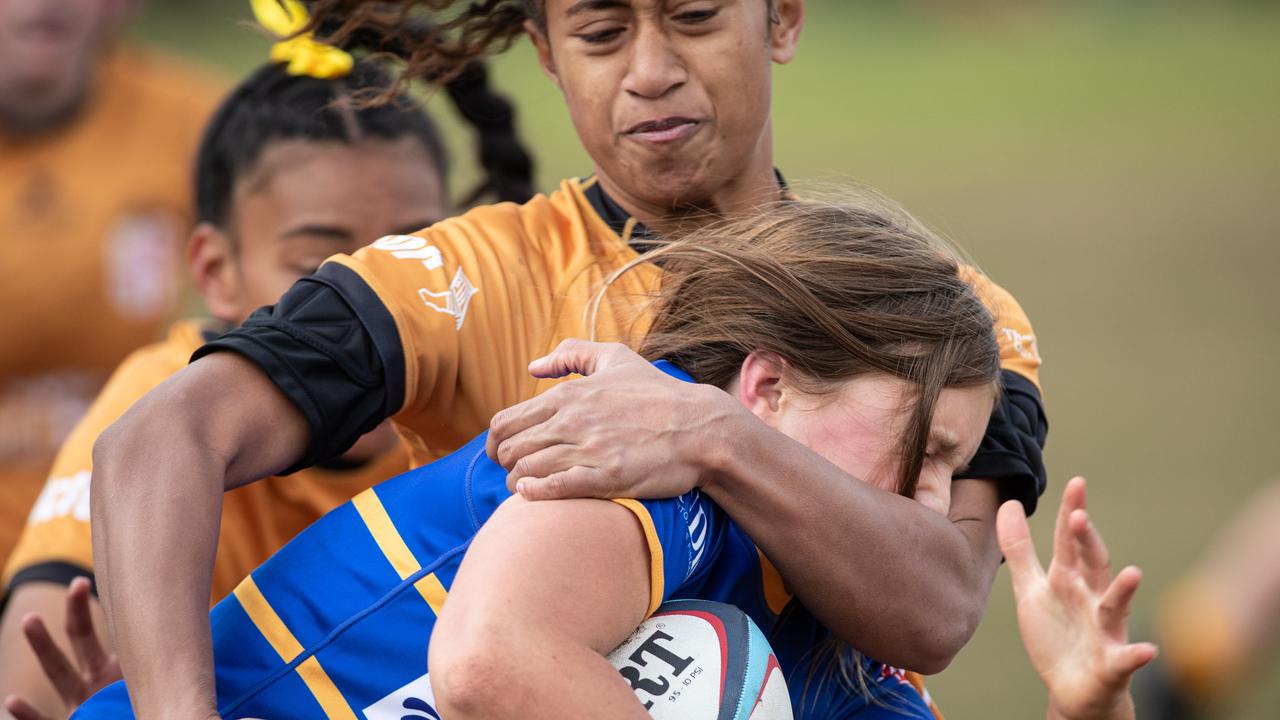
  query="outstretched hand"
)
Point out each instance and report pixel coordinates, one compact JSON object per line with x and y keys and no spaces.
{"x":625,"y":429}
{"x":94,"y":668}
{"x":1074,"y":616}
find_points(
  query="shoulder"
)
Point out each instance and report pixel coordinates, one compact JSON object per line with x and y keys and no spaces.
{"x":1019,"y":347}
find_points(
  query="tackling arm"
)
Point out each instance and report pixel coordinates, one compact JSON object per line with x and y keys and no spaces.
{"x":159,"y":475}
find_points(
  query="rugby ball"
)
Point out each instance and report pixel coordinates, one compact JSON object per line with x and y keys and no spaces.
{"x":700,"y":660}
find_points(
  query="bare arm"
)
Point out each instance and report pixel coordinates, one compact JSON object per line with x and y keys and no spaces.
{"x":159,"y":475}
{"x":849,"y":551}
{"x":566,"y":581}
{"x":832,"y":538}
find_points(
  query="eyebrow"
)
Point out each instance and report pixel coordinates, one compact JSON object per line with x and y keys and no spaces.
{"x":332,"y":232}
{"x":341,"y":234}
{"x":583,"y":6}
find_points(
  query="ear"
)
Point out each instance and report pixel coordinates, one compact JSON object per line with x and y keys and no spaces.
{"x":211,"y":260}
{"x":760,"y":386}
{"x":785,"y":22}
{"x":542,"y":45}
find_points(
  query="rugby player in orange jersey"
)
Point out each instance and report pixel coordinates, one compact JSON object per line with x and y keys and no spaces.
{"x":96,"y":138}
{"x":284,"y":178}
{"x":671,"y":99}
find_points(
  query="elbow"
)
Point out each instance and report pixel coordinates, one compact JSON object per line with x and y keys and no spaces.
{"x":472,"y":682}
{"x":474,"y":662}
{"x":938,"y":641}
{"x":109,"y":451}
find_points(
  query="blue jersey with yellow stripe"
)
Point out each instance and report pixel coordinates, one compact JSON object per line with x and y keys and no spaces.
{"x":337,"y":623}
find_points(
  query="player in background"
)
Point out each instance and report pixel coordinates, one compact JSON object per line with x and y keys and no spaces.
{"x":96,"y":142}
{"x":1217,"y":623}
{"x":671,"y":100}
{"x":286,"y":176}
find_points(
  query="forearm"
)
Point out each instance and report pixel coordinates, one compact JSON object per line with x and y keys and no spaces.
{"x":156,"y":503}
{"x":156,"y":510}
{"x":851,"y":552}
{"x":526,"y":571}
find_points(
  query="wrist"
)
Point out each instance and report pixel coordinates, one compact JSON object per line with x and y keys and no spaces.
{"x":1119,"y":707}
{"x":716,"y":452}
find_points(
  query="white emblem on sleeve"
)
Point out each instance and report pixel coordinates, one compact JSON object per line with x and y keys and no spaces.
{"x":1024,"y":345}
{"x":409,"y":247}
{"x":453,"y":301}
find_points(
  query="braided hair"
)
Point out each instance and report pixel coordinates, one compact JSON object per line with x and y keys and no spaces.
{"x":270,"y":105}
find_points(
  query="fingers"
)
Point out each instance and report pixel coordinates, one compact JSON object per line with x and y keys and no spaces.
{"x":66,"y":680}
{"x":1091,"y":551}
{"x":1125,"y":660}
{"x":1113,"y":610}
{"x":517,"y":419}
{"x":576,"y":482}
{"x":1064,"y":545}
{"x":582,"y":357}
{"x":88,"y":650}
{"x":1015,"y":542}
{"x":543,"y":463}
{"x":22,"y":710}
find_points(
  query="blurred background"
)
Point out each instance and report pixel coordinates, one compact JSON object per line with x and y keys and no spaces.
{"x":1115,"y":164}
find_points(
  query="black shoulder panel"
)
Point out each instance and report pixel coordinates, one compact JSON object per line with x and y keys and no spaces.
{"x":332,"y":347}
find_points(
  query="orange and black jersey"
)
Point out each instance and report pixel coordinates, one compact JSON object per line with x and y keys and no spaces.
{"x":56,"y":544}
{"x":436,"y":329}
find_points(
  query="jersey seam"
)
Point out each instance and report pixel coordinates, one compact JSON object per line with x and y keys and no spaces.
{"x":466,"y":491}
{"x":341,"y":628}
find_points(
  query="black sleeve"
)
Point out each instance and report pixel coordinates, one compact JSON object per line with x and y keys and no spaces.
{"x":58,"y":573}
{"x":331,"y":346}
{"x":1011,"y":451}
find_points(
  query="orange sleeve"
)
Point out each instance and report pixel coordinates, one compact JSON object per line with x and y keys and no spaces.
{"x":472,"y":301}
{"x":57,"y":529}
{"x":1019,"y":351}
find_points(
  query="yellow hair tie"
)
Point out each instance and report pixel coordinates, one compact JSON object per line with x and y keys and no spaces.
{"x":304,"y":54}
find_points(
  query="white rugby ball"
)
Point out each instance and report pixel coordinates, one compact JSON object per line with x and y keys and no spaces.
{"x":700,"y":660}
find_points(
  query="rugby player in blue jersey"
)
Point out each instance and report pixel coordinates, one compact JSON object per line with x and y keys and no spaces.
{"x":844,"y":327}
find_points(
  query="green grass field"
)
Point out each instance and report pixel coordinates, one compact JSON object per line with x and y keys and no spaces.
{"x":1117,"y":166}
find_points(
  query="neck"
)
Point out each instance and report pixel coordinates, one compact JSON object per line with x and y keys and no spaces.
{"x":754,"y":186}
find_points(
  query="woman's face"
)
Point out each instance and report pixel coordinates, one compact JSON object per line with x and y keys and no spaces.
{"x":306,"y":201}
{"x":859,"y":426}
{"x":669,"y":97}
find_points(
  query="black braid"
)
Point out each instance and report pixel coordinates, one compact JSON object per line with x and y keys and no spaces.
{"x":507,"y":164}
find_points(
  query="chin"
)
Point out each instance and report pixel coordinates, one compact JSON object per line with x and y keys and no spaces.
{"x":677,"y":184}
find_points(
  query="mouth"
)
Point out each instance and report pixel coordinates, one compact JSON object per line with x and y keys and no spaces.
{"x":664,"y":130}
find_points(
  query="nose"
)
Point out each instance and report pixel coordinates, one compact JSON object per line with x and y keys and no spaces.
{"x":656,"y":69}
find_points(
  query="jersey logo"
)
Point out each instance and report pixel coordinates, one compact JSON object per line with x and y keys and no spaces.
{"x":1024,"y":345}
{"x":453,"y":301}
{"x":410,"y":247}
{"x":694,"y":513}
{"x":414,"y":701}
{"x":62,"y":497}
